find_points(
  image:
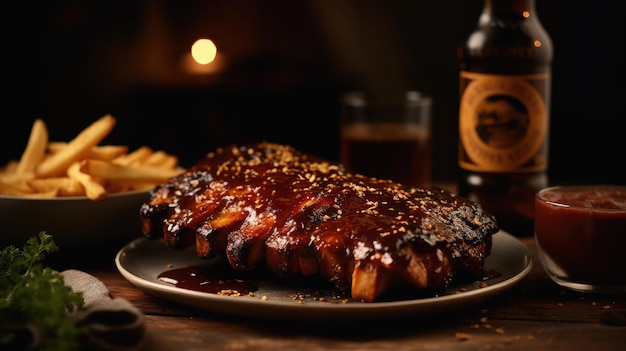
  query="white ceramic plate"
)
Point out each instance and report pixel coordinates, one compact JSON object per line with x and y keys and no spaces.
{"x":142,"y":260}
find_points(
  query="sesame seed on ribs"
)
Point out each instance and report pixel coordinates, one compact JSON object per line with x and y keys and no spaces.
{"x":269,"y":204}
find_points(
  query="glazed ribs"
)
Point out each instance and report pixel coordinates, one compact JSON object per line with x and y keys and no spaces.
{"x":269,"y":204}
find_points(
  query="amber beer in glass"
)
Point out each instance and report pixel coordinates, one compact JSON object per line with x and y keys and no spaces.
{"x":505,"y":80}
{"x":388,"y":138}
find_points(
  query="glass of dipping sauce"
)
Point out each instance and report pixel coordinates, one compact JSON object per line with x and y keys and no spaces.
{"x":580,"y":231}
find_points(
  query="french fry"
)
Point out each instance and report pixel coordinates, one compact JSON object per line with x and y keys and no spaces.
{"x":161,"y":159}
{"x":135,"y":157}
{"x":35,"y":148}
{"x":14,"y":192}
{"x":9,"y":168}
{"x":61,"y":186}
{"x":98,"y":152}
{"x":15,"y":182}
{"x":56,"y":146}
{"x":107,"y":152}
{"x":82,"y":167}
{"x":12,"y":189}
{"x":56,"y":164}
{"x":93,"y":188}
{"x":50,"y":194}
{"x":127,"y":174}
{"x":113,"y":187}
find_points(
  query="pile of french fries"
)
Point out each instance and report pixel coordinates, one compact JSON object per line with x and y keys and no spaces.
{"x":82,"y":167}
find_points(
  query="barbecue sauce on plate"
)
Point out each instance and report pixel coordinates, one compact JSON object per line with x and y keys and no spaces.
{"x":199,"y":279}
{"x":224,"y":281}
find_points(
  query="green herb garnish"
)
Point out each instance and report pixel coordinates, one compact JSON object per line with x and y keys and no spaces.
{"x":31,"y":293}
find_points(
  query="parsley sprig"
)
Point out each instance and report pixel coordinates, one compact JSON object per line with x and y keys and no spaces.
{"x":31,"y":293}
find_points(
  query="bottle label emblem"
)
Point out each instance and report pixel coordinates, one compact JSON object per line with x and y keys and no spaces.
{"x":503,"y":123}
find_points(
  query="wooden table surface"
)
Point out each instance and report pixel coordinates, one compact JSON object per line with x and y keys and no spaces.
{"x":535,"y":314}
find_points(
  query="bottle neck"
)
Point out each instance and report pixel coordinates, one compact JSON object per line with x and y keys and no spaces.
{"x":509,"y":8}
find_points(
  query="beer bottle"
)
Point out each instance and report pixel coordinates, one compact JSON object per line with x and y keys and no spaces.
{"x":505,"y":80}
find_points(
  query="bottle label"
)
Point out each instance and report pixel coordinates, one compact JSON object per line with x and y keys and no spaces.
{"x":503,"y":122}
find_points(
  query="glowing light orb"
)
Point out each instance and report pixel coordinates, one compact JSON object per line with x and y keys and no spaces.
{"x":203,"y":51}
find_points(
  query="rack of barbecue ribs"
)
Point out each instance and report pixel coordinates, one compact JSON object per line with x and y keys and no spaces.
{"x":270,"y":204}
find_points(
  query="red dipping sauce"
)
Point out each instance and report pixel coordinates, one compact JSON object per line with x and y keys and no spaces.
{"x":581,"y":236}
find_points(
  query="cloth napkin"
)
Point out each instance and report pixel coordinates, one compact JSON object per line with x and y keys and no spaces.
{"x":114,"y":323}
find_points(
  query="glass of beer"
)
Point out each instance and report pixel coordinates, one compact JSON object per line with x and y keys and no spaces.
{"x":388,"y":137}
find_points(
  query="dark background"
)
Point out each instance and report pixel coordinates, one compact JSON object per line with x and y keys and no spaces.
{"x":285,"y":63}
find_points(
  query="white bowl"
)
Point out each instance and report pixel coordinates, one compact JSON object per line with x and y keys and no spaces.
{"x":87,"y":232}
